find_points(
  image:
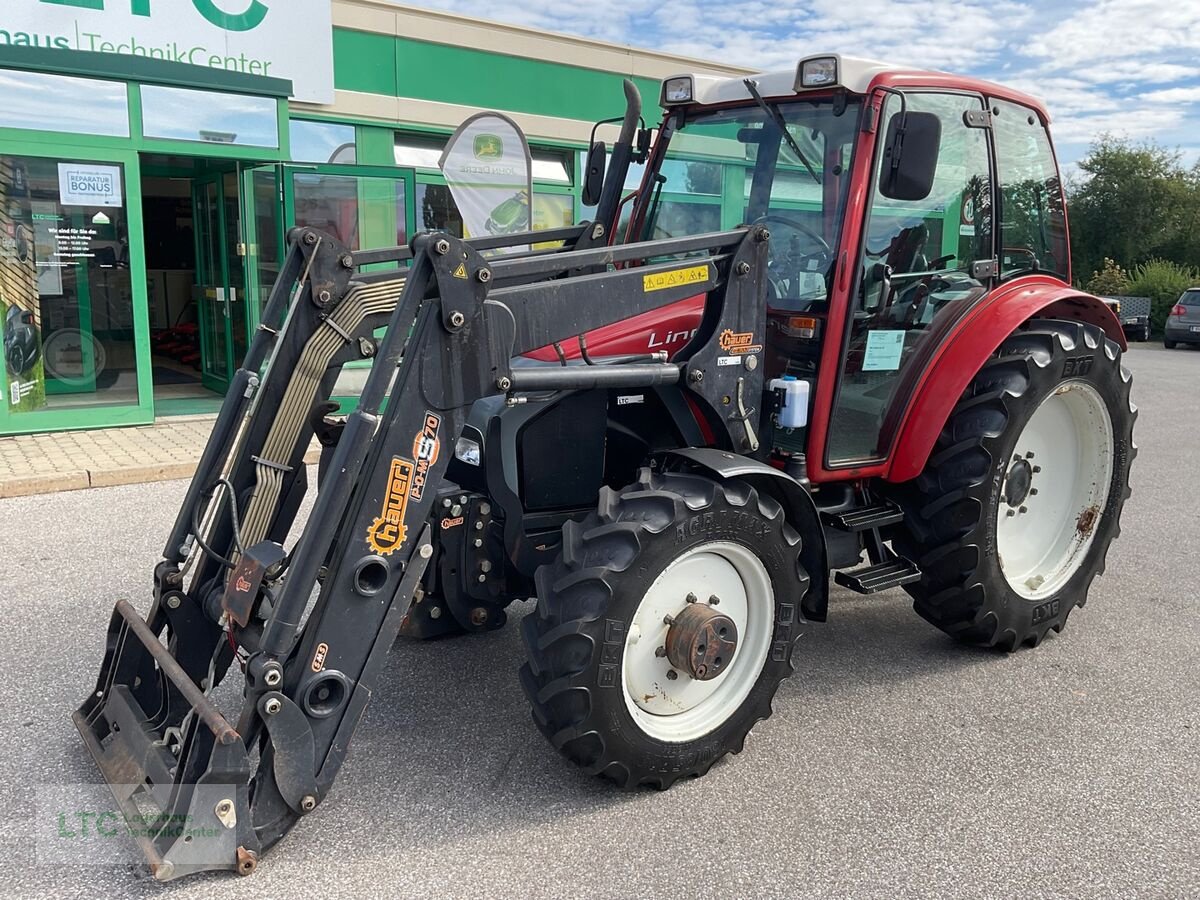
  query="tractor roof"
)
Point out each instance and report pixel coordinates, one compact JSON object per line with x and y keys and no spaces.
{"x":856,"y":74}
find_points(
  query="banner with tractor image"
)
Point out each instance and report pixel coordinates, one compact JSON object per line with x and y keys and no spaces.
{"x":489,"y":170}
{"x":20,"y":310}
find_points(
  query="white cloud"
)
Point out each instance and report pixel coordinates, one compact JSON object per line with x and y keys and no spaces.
{"x":1090,"y":62}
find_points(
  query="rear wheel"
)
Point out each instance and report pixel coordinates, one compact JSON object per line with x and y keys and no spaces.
{"x":664,"y":628}
{"x":1013,"y":517}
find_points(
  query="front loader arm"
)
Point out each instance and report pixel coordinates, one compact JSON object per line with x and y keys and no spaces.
{"x":455,"y":320}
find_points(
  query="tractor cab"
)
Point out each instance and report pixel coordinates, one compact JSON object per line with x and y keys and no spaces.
{"x":895,"y":200}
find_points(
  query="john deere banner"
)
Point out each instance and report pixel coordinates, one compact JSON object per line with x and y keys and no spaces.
{"x":290,"y":39}
{"x":489,"y":170}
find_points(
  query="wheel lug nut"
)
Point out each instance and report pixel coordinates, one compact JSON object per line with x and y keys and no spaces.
{"x":1023,"y":510}
{"x":1033,"y":492}
{"x":691,"y":598}
{"x":672,"y":674}
{"x":713,"y":600}
{"x":1011,"y":513}
{"x":660,"y":652}
{"x":1029,"y":455}
{"x":1037,"y":469}
{"x":668,"y":620}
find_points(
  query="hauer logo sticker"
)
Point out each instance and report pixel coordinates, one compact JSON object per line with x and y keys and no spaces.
{"x":426,"y":447}
{"x":738,"y":342}
{"x":387,"y":533}
{"x":447,"y":524}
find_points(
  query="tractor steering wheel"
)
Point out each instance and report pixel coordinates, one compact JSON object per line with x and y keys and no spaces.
{"x":793,"y":266}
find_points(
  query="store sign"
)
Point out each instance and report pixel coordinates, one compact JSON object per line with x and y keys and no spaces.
{"x":290,"y":39}
{"x":88,"y":185}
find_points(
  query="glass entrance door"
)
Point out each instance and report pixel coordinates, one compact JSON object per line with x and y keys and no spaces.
{"x":220,"y":277}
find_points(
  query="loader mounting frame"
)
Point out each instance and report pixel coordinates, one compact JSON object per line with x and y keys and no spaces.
{"x":225,"y":593}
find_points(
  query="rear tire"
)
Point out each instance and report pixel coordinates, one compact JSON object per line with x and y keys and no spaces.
{"x":1003,"y":565}
{"x":1170,"y":345}
{"x":600,"y":689}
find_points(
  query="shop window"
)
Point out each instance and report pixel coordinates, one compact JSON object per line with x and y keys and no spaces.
{"x":436,"y":210}
{"x":42,"y":102}
{"x":423,"y":152}
{"x":66,"y":298}
{"x":418,"y":152}
{"x":182,"y":114}
{"x":322,"y":142}
{"x":351,"y":206}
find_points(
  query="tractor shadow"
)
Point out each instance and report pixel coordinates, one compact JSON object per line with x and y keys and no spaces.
{"x":447,"y":749}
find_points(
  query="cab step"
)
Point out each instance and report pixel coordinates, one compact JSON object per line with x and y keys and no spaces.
{"x":888,"y":574}
{"x":864,"y":518}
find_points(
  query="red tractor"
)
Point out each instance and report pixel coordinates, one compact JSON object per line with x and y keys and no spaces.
{"x":838,"y":322}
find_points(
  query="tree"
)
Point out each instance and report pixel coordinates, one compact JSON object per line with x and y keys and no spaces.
{"x":1135,"y":202}
{"x":1110,"y":281}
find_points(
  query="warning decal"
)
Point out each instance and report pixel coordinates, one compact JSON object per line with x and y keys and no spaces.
{"x":659,"y":281}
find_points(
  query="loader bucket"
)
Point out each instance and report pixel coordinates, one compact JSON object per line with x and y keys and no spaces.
{"x":178,"y":770}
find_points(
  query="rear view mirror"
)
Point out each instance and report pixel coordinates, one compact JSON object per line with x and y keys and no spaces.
{"x":593,"y":173}
{"x":910,"y":156}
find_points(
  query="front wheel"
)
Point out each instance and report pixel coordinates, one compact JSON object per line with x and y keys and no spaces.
{"x":1012,"y":518}
{"x":664,"y":628}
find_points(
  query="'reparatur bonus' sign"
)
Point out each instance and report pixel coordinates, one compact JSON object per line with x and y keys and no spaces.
{"x":290,"y":39}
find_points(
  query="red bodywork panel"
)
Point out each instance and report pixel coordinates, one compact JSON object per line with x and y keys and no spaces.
{"x":974,"y":338}
{"x":668,"y":328}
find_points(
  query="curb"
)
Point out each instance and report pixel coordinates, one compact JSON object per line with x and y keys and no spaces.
{"x":60,"y":482}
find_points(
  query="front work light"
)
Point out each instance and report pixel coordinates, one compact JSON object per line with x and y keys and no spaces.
{"x":468,"y":451}
{"x":820,"y":71}
{"x":677,"y":90}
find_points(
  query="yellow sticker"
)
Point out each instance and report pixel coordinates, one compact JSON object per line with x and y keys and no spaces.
{"x":660,"y":281}
{"x":461,"y":271}
{"x":388,"y":531}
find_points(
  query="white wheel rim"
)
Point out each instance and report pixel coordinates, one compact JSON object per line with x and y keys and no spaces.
{"x":683,"y":708}
{"x":1066,"y":452}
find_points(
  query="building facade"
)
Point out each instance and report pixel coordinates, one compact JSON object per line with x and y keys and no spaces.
{"x":152,"y":161}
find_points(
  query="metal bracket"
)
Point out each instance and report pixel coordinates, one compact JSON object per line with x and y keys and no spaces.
{"x":292,"y":744}
{"x":983,"y":269}
{"x":977,"y":118}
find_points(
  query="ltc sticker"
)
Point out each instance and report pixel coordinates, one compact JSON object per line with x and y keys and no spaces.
{"x":660,"y":281}
{"x":387,"y":533}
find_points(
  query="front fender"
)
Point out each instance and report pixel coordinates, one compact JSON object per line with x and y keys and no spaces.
{"x":969,"y":345}
{"x":797,"y":505}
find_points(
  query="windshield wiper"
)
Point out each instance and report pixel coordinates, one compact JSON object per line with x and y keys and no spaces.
{"x":773,"y":112}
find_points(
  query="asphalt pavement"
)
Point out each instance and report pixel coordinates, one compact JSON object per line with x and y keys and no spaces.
{"x":897,"y":763}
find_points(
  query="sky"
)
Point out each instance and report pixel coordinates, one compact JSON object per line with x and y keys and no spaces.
{"x":1124,"y":67}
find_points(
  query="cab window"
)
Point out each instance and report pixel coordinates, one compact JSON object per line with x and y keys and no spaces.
{"x":915,"y":271}
{"x":1033,"y":225}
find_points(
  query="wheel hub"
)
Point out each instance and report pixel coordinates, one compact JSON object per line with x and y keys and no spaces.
{"x":1018,"y":482}
{"x":701,"y":641}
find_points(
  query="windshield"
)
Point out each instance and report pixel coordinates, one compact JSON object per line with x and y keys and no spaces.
{"x":735,"y":166}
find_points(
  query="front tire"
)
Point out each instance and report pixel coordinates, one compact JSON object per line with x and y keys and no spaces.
{"x":1013,"y":516}
{"x":603,"y":686}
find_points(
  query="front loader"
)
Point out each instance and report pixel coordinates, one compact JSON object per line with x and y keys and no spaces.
{"x":669,"y":436}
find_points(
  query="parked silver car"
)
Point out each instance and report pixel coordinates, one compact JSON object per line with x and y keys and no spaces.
{"x":1183,"y":322}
